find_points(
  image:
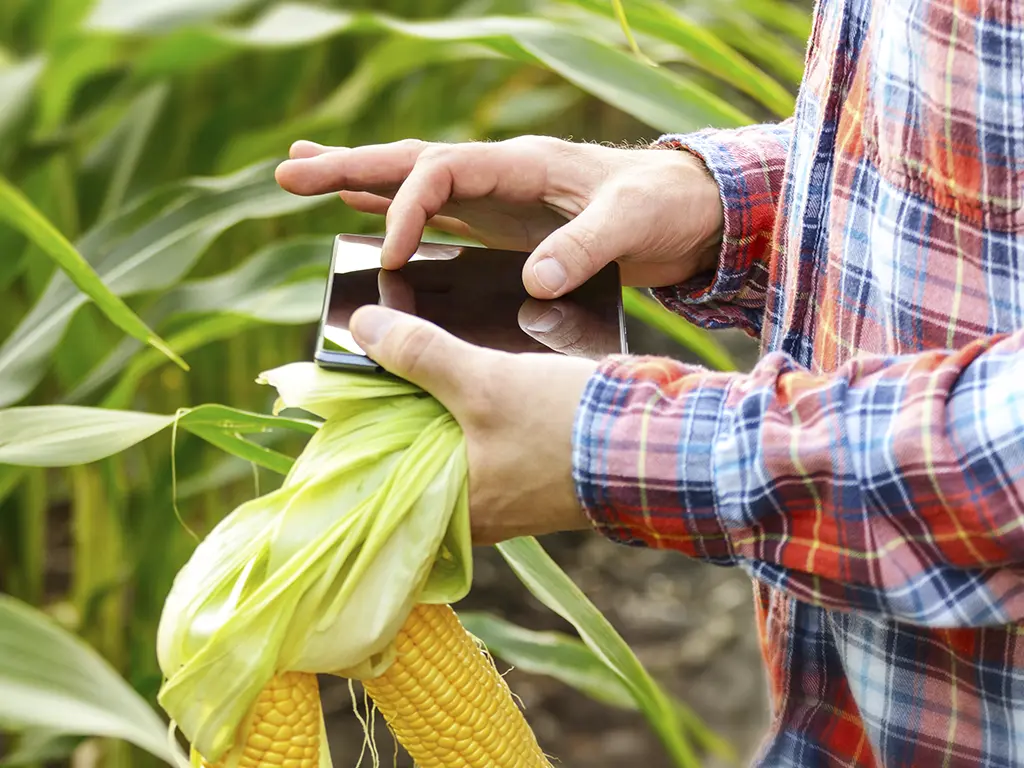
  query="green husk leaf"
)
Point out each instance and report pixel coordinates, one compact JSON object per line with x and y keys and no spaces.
{"x":319,"y":575}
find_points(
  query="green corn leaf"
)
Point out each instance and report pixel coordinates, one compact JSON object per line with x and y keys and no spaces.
{"x":207,"y":330}
{"x":553,"y":654}
{"x":132,"y":257}
{"x":620,"y":16}
{"x":553,"y":587}
{"x":243,"y":448}
{"x":263,"y":289}
{"x":125,"y":145}
{"x":68,"y":435}
{"x":232,"y":420}
{"x":789,"y":18}
{"x":686,"y":334}
{"x":17,"y":82}
{"x":570,"y":661}
{"x":770,"y":49}
{"x":660,"y":20}
{"x":51,"y":680}
{"x":72,"y":64}
{"x":159,"y":15}
{"x":55,"y":436}
{"x":662,"y":99}
{"x":389,"y":61}
{"x":21,"y":214}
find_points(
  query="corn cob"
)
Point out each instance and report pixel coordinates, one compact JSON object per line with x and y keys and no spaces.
{"x":442,"y":698}
{"x":283,"y":728}
{"x":446,"y":703}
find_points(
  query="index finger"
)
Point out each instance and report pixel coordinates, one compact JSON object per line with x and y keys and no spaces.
{"x":371,"y":168}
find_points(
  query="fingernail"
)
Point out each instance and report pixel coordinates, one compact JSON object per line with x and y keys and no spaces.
{"x":546,"y":322}
{"x":550,"y":274}
{"x":370,"y":324}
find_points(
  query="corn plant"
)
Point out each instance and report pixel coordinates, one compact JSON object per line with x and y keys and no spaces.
{"x":149,"y":266}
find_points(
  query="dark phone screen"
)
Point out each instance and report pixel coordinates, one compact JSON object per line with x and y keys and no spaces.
{"x":474,"y":293}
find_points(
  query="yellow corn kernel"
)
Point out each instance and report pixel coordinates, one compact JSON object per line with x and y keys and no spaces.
{"x":446,"y":703}
{"x":284,"y":728}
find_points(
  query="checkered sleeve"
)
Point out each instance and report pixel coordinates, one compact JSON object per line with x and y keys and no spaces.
{"x":748,"y":164}
{"x":893,"y":486}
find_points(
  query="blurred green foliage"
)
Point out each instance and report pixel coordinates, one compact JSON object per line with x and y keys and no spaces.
{"x":146,"y":132}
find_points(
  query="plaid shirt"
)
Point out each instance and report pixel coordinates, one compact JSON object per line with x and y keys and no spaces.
{"x":869,"y":472}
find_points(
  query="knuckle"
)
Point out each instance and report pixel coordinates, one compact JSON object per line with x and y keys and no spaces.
{"x":435,"y":154}
{"x":412,"y":349}
{"x":539,"y":144}
{"x":583,"y":251}
{"x":413,"y":146}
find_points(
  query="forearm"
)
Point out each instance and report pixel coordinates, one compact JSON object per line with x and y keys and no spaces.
{"x":893,"y":485}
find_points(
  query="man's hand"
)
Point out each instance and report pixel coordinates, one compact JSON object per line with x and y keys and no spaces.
{"x":575,"y":206}
{"x":517,"y":412}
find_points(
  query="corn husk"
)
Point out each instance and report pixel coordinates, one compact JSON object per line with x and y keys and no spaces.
{"x":320,"y":575}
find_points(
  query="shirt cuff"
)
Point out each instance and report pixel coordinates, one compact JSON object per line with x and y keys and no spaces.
{"x":748,"y":165}
{"x":643,"y":455}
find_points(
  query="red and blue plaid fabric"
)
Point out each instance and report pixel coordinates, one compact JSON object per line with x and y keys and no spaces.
{"x":869,"y":472}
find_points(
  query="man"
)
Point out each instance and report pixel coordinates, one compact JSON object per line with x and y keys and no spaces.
{"x":869,"y":472}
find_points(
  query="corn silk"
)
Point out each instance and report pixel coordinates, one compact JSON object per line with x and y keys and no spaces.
{"x":320,"y":575}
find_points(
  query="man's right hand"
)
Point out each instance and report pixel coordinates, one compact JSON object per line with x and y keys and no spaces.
{"x":577,"y":207}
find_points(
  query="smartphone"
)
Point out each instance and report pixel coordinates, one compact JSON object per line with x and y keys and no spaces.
{"x":474,"y":293}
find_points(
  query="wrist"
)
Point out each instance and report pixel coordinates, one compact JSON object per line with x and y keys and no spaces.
{"x":710,"y":208}
{"x":705,"y":207}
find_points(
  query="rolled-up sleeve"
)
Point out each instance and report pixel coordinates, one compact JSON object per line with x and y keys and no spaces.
{"x":749,"y":166}
{"x":893,"y":486}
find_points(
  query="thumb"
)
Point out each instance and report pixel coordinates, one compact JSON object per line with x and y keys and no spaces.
{"x":578,"y":250}
{"x":415,"y":350}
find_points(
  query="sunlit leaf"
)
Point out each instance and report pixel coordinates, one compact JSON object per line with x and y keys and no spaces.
{"x":153,"y":256}
{"x":620,"y":16}
{"x":135,"y":16}
{"x":67,"y":435}
{"x":52,"y":680}
{"x":233,"y":420}
{"x":250,"y":451}
{"x":660,"y":20}
{"x":553,"y":587}
{"x":57,"y":436}
{"x":554,"y":654}
{"x":260,"y":290}
{"x":16,"y":209}
{"x":661,"y":99}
